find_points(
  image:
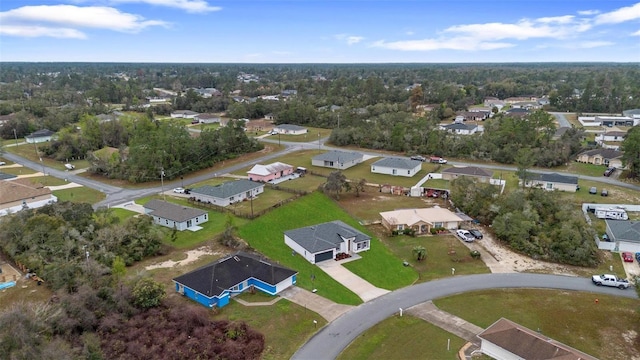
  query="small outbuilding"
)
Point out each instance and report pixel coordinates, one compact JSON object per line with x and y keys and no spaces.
{"x":475,"y":172}
{"x":39,"y":136}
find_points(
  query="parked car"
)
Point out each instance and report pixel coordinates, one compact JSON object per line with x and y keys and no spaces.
{"x":273,"y":132}
{"x":627,"y":256}
{"x":593,"y":190}
{"x":419,"y":158}
{"x":604,"y":192}
{"x":605,"y":237}
{"x":638,"y":257}
{"x":610,"y":280}
{"x":2,"y":163}
{"x":476,"y":233}
{"x":178,"y":190}
{"x":69,"y":166}
{"x":610,"y":170}
{"x":437,"y":160}
{"x":465,"y":235}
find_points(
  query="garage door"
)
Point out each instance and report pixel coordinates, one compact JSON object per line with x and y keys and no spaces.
{"x":324,"y":256}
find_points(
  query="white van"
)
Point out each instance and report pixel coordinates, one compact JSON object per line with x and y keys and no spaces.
{"x":69,"y":166}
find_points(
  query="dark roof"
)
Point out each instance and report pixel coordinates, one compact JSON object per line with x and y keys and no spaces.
{"x":173,"y":212}
{"x":528,"y":344}
{"x":213,"y":279}
{"x":458,"y":126}
{"x":624,"y":230}
{"x":631,"y":112}
{"x":605,"y":153}
{"x":554,"y":177}
{"x":468,"y":170}
{"x":4,"y":176}
{"x":324,"y":236}
{"x":517,"y":111}
{"x":397,"y":163}
{"x":228,"y":189}
{"x":340,"y":156}
{"x":290,"y":127}
{"x":40,"y":133}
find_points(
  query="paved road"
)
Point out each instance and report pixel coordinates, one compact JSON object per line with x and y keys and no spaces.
{"x":330,"y":341}
{"x":562,"y":120}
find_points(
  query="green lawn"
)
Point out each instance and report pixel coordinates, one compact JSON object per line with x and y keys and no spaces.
{"x":80,"y":195}
{"x":18,"y":171}
{"x":47,"y":180}
{"x":569,"y":317}
{"x":122,"y":214}
{"x":28,"y":151}
{"x":405,"y":337}
{"x":265,"y":234}
{"x":312,"y":135}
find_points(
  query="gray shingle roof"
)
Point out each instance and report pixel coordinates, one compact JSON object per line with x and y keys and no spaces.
{"x":290,"y":127}
{"x":338,"y":156}
{"x":40,"y":133}
{"x":397,"y":163}
{"x":228,"y":189}
{"x":459,"y":126}
{"x":624,"y":230}
{"x":173,"y":212}
{"x":213,"y":279}
{"x":605,"y":153}
{"x":554,"y":177}
{"x":4,"y":176}
{"x":468,"y":170}
{"x":324,"y":236}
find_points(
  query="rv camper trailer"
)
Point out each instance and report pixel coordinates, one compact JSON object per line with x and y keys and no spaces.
{"x":611,"y":213}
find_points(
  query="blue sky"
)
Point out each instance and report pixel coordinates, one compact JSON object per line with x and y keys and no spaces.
{"x":326,"y":31}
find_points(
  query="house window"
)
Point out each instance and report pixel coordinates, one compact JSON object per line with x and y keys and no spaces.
{"x":408,"y":172}
{"x":205,"y":216}
{"x":438,"y":224}
{"x":197,"y":220}
{"x":549,"y":186}
{"x":362,"y":245}
{"x":231,"y":199}
{"x":395,"y":172}
{"x":166,"y":222}
{"x":401,"y":227}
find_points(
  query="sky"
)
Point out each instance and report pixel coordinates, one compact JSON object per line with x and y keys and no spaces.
{"x":320,"y":31}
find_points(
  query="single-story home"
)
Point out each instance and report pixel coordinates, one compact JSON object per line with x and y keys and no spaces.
{"x":473,"y":115}
{"x":288,"y":129}
{"x":184,"y":114}
{"x":611,"y":121}
{"x":207,"y":118}
{"x":526,"y":105}
{"x":265,"y":173}
{"x":227,"y":193}
{"x":517,"y":112}
{"x":624,"y":233}
{"x":506,"y":340}
{"x":480,"y":174}
{"x":552,"y":181}
{"x":337,"y":159}
{"x":460,"y":129}
{"x":39,"y":136}
{"x":214,"y":284}
{"x":322,"y":242}
{"x":270,"y":116}
{"x":396,"y":166}
{"x":19,"y":194}
{"x":175,"y":216}
{"x":421,"y":220}
{"x":616,"y":136}
{"x":607,"y":157}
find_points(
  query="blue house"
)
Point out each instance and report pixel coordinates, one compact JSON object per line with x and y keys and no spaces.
{"x":214,"y":284}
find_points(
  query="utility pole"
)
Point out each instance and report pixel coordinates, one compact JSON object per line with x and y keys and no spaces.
{"x":15,"y":135}
{"x":318,"y":141}
{"x":162,"y":183}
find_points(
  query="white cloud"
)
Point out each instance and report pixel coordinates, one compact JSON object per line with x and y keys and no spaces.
{"x":62,"y":20}
{"x":566,"y":19}
{"x":410,"y":33}
{"x":40,"y":31}
{"x":588,"y":12}
{"x":458,"y":43}
{"x":522,"y":30}
{"x":190,"y":6}
{"x":637,"y":33}
{"x":592,"y":44}
{"x":349,"y":39}
{"x":623,"y":14}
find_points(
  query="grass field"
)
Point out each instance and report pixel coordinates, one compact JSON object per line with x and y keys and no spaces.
{"x":405,"y":337}
{"x":28,"y":151}
{"x":80,"y":195}
{"x":569,"y":317}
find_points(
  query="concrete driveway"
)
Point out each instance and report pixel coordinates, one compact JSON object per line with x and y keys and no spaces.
{"x":323,"y":306}
{"x":353,"y":282}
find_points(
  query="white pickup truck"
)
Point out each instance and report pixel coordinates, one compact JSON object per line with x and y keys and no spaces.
{"x":610,"y":280}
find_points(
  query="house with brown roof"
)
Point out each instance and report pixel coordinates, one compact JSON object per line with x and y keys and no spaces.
{"x":606,"y":157}
{"x":19,"y":194}
{"x":475,"y":172}
{"x":506,"y":340}
{"x":420,"y":220}
{"x":175,"y":216}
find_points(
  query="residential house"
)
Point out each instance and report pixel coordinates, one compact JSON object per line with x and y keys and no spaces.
{"x":208,"y":118}
{"x":460,"y":129}
{"x":611,"y":121}
{"x":288,"y":129}
{"x":39,"y":136}
{"x":270,"y":116}
{"x":632,"y":113}
{"x":528,"y":105}
{"x":420,"y":220}
{"x":266,"y":173}
{"x":228,"y":193}
{"x":517,"y":112}
{"x":184,"y":114}
{"x":477,"y":173}
{"x":474,"y":115}
{"x":551,"y":181}
{"x":610,"y":136}
{"x":175,"y":216}
{"x":19,"y":194}
{"x":396,"y":166}
{"x":607,"y":157}
{"x":543,"y":101}
{"x":337,"y":159}
{"x":625,"y":234}
{"x":289,"y":92}
{"x":214,"y":284}
{"x":506,"y":340}
{"x":322,"y":242}
{"x":517,"y":99}
{"x":5,"y":176}
{"x":207,"y":92}
{"x":492,"y":102}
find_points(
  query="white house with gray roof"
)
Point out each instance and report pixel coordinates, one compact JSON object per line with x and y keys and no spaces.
{"x":337,"y":159}
{"x":322,"y":242}
{"x":173,"y":215}
{"x":396,"y":166}
{"x":552,"y":181}
{"x":625,"y":234}
{"x":460,"y":129}
{"x":227,"y":193}
{"x":288,"y":129}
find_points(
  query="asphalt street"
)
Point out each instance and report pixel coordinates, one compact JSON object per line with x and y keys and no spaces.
{"x":331,"y":340}
{"x":562,"y":119}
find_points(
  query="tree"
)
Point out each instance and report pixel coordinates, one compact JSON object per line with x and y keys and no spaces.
{"x":118,"y":268}
{"x":631,"y":149}
{"x":524,"y":161}
{"x":358,"y":186}
{"x":420,"y":253}
{"x":148,"y":293}
{"x":335,"y":182}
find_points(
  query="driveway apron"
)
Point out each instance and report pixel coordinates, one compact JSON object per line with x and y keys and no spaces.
{"x":353,"y":282}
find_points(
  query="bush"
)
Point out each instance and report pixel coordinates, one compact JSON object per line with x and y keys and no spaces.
{"x":475,"y":254}
{"x":148,"y":293}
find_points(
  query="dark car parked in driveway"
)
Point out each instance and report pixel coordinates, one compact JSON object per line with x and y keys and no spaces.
{"x":476,"y":233}
{"x":609,"y":171}
{"x":593,"y":190}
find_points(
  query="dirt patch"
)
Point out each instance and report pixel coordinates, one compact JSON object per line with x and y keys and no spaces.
{"x":259,"y":125}
{"x":191,"y":256}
